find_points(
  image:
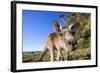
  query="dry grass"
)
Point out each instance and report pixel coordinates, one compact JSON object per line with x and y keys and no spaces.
{"x":78,"y":54}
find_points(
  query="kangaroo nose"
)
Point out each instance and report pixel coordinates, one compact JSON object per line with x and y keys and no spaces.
{"x":74,"y":45}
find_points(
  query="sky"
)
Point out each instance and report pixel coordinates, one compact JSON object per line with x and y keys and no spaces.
{"x":36,"y":25}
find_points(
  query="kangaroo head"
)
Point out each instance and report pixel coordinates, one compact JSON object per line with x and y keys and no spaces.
{"x":67,"y":34}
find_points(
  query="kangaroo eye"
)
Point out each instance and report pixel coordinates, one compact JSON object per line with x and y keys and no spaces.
{"x":60,"y":34}
{"x":69,"y":42}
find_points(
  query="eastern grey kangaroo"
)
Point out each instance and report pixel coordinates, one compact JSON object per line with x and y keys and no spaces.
{"x":62,"y":38}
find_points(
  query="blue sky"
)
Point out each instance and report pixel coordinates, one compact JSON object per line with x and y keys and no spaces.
{"x":36,"y":25}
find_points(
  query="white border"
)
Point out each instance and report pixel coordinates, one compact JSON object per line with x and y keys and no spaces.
{"x":34,"y":65}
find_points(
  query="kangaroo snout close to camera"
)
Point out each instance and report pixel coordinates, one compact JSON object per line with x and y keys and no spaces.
{"x":63,"y":38}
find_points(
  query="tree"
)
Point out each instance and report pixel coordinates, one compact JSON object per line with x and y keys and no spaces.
{"x":84,"y":20}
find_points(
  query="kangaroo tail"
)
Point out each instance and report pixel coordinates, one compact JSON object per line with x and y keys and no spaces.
{"x":42,"y":55}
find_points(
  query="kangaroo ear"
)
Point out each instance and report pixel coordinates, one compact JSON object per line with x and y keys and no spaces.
{"x":73,"y":27}
{"x":57,"y":26}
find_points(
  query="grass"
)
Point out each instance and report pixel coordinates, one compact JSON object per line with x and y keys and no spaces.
{"x":78,"y":54}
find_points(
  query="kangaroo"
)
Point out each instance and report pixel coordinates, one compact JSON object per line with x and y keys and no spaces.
{"x":62,"y":38}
